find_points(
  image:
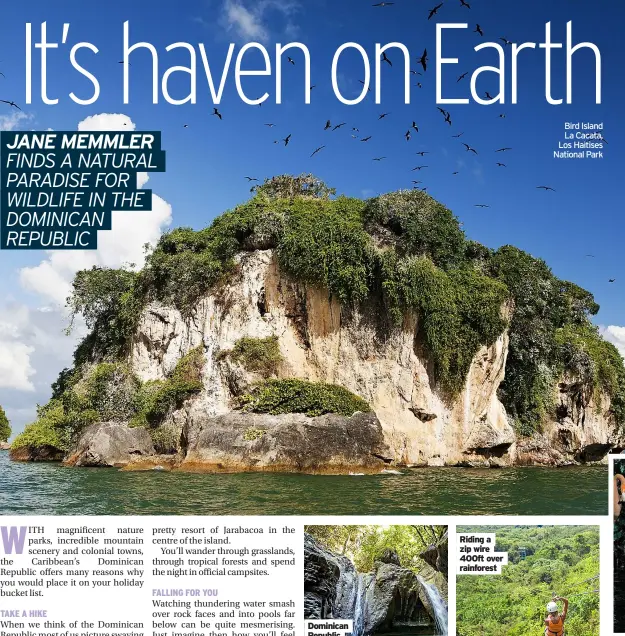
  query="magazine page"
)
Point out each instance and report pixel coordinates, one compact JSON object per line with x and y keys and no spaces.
{"x":312,"y":318}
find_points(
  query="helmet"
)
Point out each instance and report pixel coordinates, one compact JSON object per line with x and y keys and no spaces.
{"x":552,"y":606}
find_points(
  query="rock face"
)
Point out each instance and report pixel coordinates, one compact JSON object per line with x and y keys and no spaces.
{"x":110,"y":444}
{"x":290,"y":443}
{"x":387,"y":600}
{"x":320,"y":341}
{"x":41,"y":454}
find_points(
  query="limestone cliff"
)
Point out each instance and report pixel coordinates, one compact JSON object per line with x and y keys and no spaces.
{"x":321,"y":342}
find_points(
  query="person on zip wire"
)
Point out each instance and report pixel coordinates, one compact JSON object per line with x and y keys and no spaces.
{"x":554,"y":623}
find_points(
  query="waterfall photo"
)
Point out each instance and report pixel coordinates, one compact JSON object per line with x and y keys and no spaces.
{"x":389,"y":580}
{"x":550,"y":584}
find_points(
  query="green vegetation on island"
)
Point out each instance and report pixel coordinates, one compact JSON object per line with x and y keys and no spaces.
{"x":5,"y":426}
{"x":558,"y":559}
{"x":395,"y":254}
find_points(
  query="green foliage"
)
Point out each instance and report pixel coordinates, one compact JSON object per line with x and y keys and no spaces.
{"x":5,"y":426}
{"x":363,"y":545}
{"x":550,"y":333}
{"x":109,"y":301}
{"x":285,"y":186}
{"x":560,"y":559}
{"x":252,"y":434}
{"x":47,"y":431}
{"x":299,"y":396}
{"x":155,"y":400}
{"x":260,"y":355}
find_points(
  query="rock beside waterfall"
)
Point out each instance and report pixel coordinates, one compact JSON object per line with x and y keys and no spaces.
{"x":321,"y":576}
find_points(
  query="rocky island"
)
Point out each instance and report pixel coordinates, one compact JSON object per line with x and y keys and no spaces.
{"x":304,"y":332}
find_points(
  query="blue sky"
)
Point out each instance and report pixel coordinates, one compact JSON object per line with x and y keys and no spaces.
{"x":207,"y":162}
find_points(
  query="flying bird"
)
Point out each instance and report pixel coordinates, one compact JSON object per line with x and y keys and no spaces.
{"x":612,"y":280}
{"x":11,"y":103}
{"x":419,"y":168}
{"x":385,"y":59}
{"x":313,"y":86}
{"x":287,"y":139}
{"x":478,"y":29}
{"x":448,"y":118}
{"x":462,"y":77}
{"x":545,"y":188}
{"x":416,"y":182}
{"x":469,"y":149}
{"x":355,"y":129}
{"x":422,"y":153}
{"x":378,"y":158}
{"x":423,"y":60}
{"x":503,"y":149}
{"x":464,"y":3}
{"x":414,"y":125}
{"x":590,"y":256}
{"x":502,"y":116}
{"x":455,"y":172}
{"x":435,"y":10}
{"x":122,"y":62}
{"x":457,"y":136}
{"x":415,"y":72}
{"x":328,"y":125}
{"x":317,"y":150}
{"x":363,"y":83}
{"x":383,"y":115}
{"x":339,"y":126}
{"x":442,"y":111}
{"x":251,"y":178}
{"x":383,"y":4}
{"x":366,"y":138}
{"x":505,"y":41}
{"x":183,"y":125}
{"x":488,"y":95}
{"x":501,"y":165}
{"x":407,"y":135}
{"x":290,"y":60}
{"x":481,"y":205}
{"x":216,"y":112}
{"x":270,"y":125}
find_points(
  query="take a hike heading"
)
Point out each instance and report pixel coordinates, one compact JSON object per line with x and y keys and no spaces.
{"x":60,"y":188}
{"x":52,"y":44}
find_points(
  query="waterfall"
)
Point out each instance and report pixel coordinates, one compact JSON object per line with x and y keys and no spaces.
{"x":439,"y":607}
{"x":359,"y":607}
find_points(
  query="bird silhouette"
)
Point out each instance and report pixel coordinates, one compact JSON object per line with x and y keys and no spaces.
{"x":317,"y":150}
{"x":488,"y":95}
{"x":590,"y":256}
{"x":407,"y":135}
{"x":270,"y":125}
{"x":313,"y":86}
{"x":328,"y":125}
{"x":216,"y":112}
{"x":455,"y":172}
{"x":419,"y":85}
{"x":366,"y":138}
{"x":478,"y":29}
{"x":422,"y":153}
{"x":414,"y":125}
{"x":290,"y":60}
{"x":339,"y":126}
{"x":457,"y":136}
{"x":503,"y":149}
{"x":545,"y":188}
{"x":419,"y":168}
{"x":415,"y":72}
{"x":435,"y":10}
{"x":464,"y":3}
{"x":481,"y":205}
{"x":461,"y":77}
{"x":363,"y":83}
{"x":383,"y":115}
{"x":506,"y":41}
{"x":416,"y":182}
{"x":378,"y":158}
{"x":469,"y":149}
{"x":251,"y":178}
{"x":612,"y":280}
{"x":385,"y":59}
{"x":183,"y":125}
{"x":448,"y":118}
{"x":501,"y":165}
{"x":502,"y":116}
{"x":10,"y":103}
{"x":287,"y":139}
{"x":423,"y":60}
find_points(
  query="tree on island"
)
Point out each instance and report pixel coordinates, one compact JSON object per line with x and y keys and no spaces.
{"x":5,"y":427}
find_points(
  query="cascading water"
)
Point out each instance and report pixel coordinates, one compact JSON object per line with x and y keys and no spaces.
{"x":439,"y":606}
{"x":359,"y":606}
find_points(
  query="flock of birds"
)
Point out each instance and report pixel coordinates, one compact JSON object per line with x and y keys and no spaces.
{"x":421,"y":63}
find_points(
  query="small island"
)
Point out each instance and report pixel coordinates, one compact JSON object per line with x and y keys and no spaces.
{"x":308,"y":332}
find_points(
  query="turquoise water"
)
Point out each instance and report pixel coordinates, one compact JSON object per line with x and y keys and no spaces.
{"x":53,"y":489}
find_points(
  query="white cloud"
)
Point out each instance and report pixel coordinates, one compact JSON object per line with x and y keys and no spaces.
{"x":14,"y":120}
{"x":615,"y":335}
{"x":250,"y":21}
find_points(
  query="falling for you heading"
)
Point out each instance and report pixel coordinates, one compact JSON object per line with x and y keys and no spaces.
{"x":255,"y":59}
